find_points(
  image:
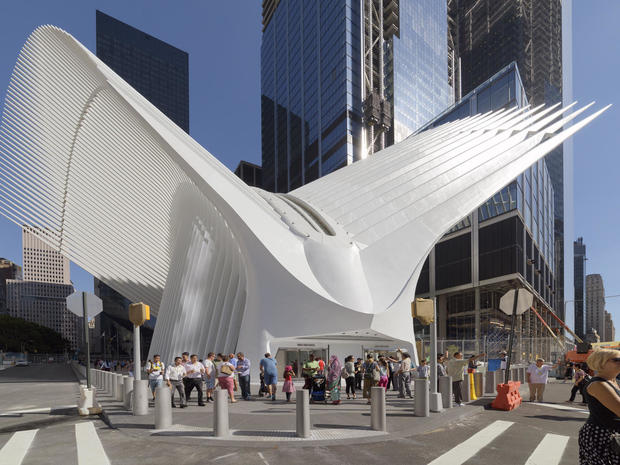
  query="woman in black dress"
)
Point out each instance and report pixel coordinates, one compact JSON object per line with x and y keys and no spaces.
{"x":596,"y":441}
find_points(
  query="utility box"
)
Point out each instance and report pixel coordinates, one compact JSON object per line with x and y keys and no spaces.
{"x":139,"y":313}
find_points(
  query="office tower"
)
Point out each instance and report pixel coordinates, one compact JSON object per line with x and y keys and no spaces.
{"x":8,"y":270}
{"x":41,"y":262}
{"x":159,"y":71}
{"x":595,"y":304}
{"x":250,"y":173}
{"x":486,"y":35}
{"x":610,"y":330}
{"x":579,"y":254}
{"x":508,"y":241}
{"x":343,"y":79}
{"x":41,"y":296}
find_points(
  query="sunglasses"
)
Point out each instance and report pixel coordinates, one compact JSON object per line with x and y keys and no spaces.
{"x":616,"y":359}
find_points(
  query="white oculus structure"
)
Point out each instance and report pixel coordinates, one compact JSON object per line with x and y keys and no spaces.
{"x":110,"y":182}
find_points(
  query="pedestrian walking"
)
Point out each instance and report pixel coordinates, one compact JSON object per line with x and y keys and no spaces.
{"x":569,"y":372}
{"x":288,"y":388}
{"x":243,"y":372}
{"x":370,"y":369}
{"x":394,"y":366}
{"x":598,"y":437}
{"x":174,"y":379}
{"x":455,"y":368}
{"x":226,"y":378}
{"x":268,"y":366}
{"x":349,"y":376}
{"x":194,"y":370}
{"x":310,"y":368}
{"x":334,"y":378}
{"x":184,"y":361}
{"x":578,"y":384}
{"x":155,"y":370}
{"x":537,"y":376}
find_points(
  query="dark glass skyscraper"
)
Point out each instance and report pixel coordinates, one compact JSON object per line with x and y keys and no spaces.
{"x":485,"y":36}
{"x":159,"y":71}
{"x":341,"y":79}
{"x":579,"y":257}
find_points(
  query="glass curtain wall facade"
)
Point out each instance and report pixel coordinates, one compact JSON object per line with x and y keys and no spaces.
{"x":507,"y":241}
{"x":159,"y":71}
{"x":486,"y":35}
{"x":416,"y":67}
{"x":317,"y":99}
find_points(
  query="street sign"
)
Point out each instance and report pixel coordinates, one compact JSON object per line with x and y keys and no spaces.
{"x":525,"y":300}
{"x":75,"y":303}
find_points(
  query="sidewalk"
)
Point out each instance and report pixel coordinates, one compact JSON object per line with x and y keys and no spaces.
{"x":265,"y":421}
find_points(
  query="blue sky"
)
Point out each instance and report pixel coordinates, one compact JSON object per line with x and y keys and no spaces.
{"x":223,"y":42}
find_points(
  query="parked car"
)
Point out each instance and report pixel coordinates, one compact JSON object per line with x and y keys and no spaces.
{"x":22,"y":363}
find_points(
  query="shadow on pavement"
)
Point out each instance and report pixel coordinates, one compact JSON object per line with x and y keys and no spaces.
{"x":331,"y":426}
{"x":556,"y":418}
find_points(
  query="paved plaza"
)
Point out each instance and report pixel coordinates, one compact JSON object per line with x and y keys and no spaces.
{"x":262,"y":431}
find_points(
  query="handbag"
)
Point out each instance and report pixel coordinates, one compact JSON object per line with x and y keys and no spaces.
{"x":226,"y":369}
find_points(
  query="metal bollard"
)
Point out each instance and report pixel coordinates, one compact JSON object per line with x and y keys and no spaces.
{"x":118,"y":392}
{"x":421,"y":404}
{"x":303,"y":413}
{"x":127,"y":391}
{"x":220,"y":414}
{"x":140,"y":397}
{"x":479,"y":384}
{"x":445,"y":388}
{"x":377,"y":409}
{"x":466,"y":389}
{"x":163,"y":408}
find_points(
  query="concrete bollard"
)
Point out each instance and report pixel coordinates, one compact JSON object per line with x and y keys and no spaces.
{"x":466,"y":389}
{"x":106,"y":382}
{"x":378,"y":421}
{"x":479,"y":384}
{"x":445,"y":388}
{"x":421,"y":404}
{"x":118,"y":392}
{"x":523,"y":371}
{"x":163,"y":408}
{"x":220,"y":414}
{"x":140,"y":397}
{"x":303,"y":413}
{"x":92,"y":377}
{"x":127,"y":391}
{"x":96,"y":378}
{"x":87,"y":400}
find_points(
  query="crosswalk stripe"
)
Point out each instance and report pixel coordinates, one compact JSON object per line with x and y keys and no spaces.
{"x":549,"y":451}
{"x":89,"y":448}
{"x":467,"y":449}
{"x":16,"y":448}
{"x":564,"y":407}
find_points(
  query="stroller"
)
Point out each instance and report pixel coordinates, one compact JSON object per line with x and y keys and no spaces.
{"x":318,"y":388}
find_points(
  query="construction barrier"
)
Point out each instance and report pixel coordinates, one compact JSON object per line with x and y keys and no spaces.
{"x":508,"y":397}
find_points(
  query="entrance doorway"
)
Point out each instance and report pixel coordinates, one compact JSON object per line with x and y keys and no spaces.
{"x":297,"y":357}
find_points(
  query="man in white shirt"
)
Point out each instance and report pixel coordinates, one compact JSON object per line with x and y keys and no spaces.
{"x":404,"y":376}
{"x":537,"y":375}
{"x":174,"y":379}
{"x":155,"y":370}
{"x":194,"y":370}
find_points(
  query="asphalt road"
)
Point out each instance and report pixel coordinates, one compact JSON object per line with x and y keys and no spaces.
{"x":543,"y":433}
